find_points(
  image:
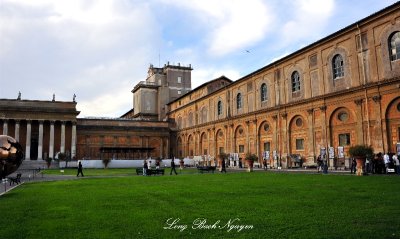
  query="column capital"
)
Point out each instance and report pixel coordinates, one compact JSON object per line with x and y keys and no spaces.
{"x":247,"y":122}
{"x":5,"y":120}
{"x":231,"y":125}
{"x":28,"y":121}
{"x":323,"y":108}
{"x":254,"y":121}
{"x":225,"y":126}
{"x":284,"y":115}
{"x":52,"y":122}
{"x":63,"y":122}
{"x":358,"y":102}
{"x":73,"y":123}
{"x":310,"y":111}
{"x":274,"y":117}
{"x":41,"y":121}
{"x":376,"y":98}
{"x":17,"y":121}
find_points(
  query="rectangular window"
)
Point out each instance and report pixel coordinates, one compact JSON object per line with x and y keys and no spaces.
{"x":241,"y":148}
{"x":344,"y":139}
{"x":267,"y":146}
{"x":179,"y":92}
{"x":179,"y":79}
{"x":299,"y":144}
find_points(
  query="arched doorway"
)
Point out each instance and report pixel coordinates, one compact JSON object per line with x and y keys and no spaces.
{"x":393,"y":125}
{"x":265,"y":134}
{"x":297,"y":140}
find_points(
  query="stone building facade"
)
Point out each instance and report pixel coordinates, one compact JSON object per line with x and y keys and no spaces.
{"x":339,"y":91}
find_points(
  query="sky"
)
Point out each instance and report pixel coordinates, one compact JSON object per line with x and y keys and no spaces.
{"x":99,"y":50}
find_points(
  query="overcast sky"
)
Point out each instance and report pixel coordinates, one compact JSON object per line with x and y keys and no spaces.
{"x":99,"y":50}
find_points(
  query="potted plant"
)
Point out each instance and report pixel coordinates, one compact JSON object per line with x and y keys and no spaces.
{"x":250,"y":158}
{"x":360,"y":153}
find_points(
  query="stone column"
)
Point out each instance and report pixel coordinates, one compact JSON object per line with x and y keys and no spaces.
{"x":40,"y":144}
{"x":17,"y":130}
{"x":51,"y":145}
{"x":162,"y":148}
{"x":167,"y":153}
{"x":285,"y":140}
{"x":311,"y":144}
{"x":256,"y":144}
{"x":5,"y":126}
{"x":73,"y":140}
{"x":275,"y":141}
{"x":359,"y":126}
{"x":247,"y":136}
{"x":232,"y":148}
{"x":62,"y":147}
{"x":28,"y":140}
{"x":226,"y":139}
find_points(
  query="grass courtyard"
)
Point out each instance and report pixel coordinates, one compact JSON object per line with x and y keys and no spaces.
{"x":269,"y":205}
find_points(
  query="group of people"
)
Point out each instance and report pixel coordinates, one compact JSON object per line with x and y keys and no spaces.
{"x":379,"y":163}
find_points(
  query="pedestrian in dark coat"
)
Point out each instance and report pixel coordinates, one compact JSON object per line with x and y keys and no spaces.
{"x":79,"y":169}
{"x":173,"y":167}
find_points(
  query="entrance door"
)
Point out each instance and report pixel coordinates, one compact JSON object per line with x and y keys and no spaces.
{"x":34,"y":146}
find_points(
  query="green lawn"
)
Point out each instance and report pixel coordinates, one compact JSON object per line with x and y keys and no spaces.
{"x":276,"y":205}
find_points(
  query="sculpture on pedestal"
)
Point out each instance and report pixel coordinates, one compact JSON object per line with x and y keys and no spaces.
{"x":11,"y":155}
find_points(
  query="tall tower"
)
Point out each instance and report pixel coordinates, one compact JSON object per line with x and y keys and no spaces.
{"x":162,"y":85}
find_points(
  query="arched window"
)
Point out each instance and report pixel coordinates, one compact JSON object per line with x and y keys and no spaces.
{"x":219,"y":108}
{"x":239,"y":101}
{"x":263,"y":92}
{"x":295,"y":81}
{"x":337,"y":66}
{"x":394,"y":46}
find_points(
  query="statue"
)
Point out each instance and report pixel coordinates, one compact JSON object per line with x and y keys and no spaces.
{"x":73,"y":98}
{"x":19,"y":95}
{"x":54,"y":97}
{"x":11,"y":155}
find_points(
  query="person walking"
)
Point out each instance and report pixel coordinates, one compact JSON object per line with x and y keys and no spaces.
{"x":173,"y":167}
{"x":223,"y":166}
{"x":386,"y":160}
{"x":80,"y":169}
{"x":353,"y":166}
{"x":144,"y":168}
{"x":396,"y":163}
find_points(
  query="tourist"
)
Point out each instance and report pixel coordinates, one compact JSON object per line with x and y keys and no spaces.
{"x":173,"y":167}
{"x":265,"y":164}
{"x":396,"y":163}
{"x":223,"y":168}
{"x":149,"y":166}
{"x":158,"y":163}
{"x":144,"y":168}
{"x":386,"y":160}
{"x":80,"y":169}
{"x":319,"y":163}
{"x":353,"y":165}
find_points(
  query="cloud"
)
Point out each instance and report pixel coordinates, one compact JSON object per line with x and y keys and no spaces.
{"x":232,"y":25}
{"x":201,"y":76}
{"x":91,"y":48}
{"x":307,"y":21}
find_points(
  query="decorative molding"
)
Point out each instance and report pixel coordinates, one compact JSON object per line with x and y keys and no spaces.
{"x":376,"y":98}
{"x":358,"y":102}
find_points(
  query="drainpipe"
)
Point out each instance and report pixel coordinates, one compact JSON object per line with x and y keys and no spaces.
{"x":365,"y":89}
